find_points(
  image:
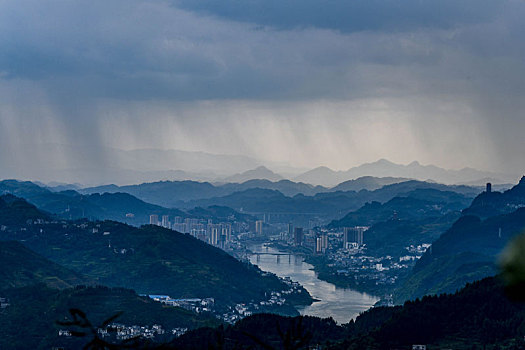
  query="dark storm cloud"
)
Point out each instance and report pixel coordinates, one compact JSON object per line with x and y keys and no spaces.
{"x":143,"y":50}
{"x":301,"y":81}
{"x":350,"y":15}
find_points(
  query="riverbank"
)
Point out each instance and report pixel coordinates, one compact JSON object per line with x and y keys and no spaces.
{"x":329,"y":274}
{"x":339,"y":303}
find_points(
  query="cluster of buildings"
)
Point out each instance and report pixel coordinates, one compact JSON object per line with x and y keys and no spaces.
{"x":352,"y":259}
{"x":197,"y":305}
{"x":418,"y":250}
{"x":233,"y":313}
{"x":275,"y":299}
{"x":317,"y":239}
{"x":415,"y":252}
{"x":219,"y":234}
{"x":353,"y":236}
{"x":123,"y":332}
{"x":4,"y":302}
{"x":346,"y":254}
{"x":164,"y":221}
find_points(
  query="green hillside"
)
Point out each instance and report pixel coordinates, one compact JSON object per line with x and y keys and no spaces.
{"x":73,"y":205}
{"x":118,"y":206}
{"x":22,"y":267}
{"x":466,"y":252}
{"x":150,"y":260}
{"x":489,"y":204}
{"x":391,"y":237}
{"x":417,"y":204}
{"x":15,"y":211}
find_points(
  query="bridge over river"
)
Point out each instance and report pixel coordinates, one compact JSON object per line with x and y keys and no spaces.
{"x":276,"y":254}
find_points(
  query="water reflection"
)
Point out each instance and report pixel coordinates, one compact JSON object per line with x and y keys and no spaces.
{"x":340,"y":304}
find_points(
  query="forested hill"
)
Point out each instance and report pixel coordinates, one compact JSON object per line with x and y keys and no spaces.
{"x":36,"y":292}
{"x":495,"y":203}
{"x":478,"y":315}
{"x":150,"y":260}
{"x":466,"y":252}
{"x":23,"y":267}
{"x":469,"y":249}
{"x":414,"y":205}
{"x":331,"y":205}
{"x":247,"y":197}
{"x":117,"y":206}
{"x":15,"y":211}
{"x":73,"y":205}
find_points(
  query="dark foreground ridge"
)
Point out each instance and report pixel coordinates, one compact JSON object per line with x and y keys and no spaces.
{"x":479,"y":315}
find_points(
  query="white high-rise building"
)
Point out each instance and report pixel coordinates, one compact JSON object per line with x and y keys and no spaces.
{"x":226,"y":232}
{"x":321,"y":243}
{"x":259,"y":227}
{"x":214,"y":235}
{"x":153,"y":219}
{"x":166,"y":221}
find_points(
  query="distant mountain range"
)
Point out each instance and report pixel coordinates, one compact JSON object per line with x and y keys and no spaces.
{"x":383,"y":168}
{"x":223,"y":202}
{"x":284,"y":197}
{"x":369,"y":183}
{"x":108,"y":165}
{"x":118,"y":206}
{"x":70,"y":204}
{"x":259,"y":173}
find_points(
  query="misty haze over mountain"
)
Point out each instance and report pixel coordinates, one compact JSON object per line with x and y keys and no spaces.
{"x":55,"y":163}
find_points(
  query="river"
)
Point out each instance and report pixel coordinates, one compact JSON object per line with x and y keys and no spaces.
{"x":340,"y":304}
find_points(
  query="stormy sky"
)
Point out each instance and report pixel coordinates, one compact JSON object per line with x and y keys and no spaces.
{"x":302,"y":82}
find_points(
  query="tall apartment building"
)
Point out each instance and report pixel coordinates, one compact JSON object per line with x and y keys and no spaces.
{"x":290,"y":231}
{"x":321,"y":243}
{"x":259,"y":227}
{"x":354,"y":235}
{"x":166,"y":221}
{"x":153,"y":219}
{"x":298,"y":236}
